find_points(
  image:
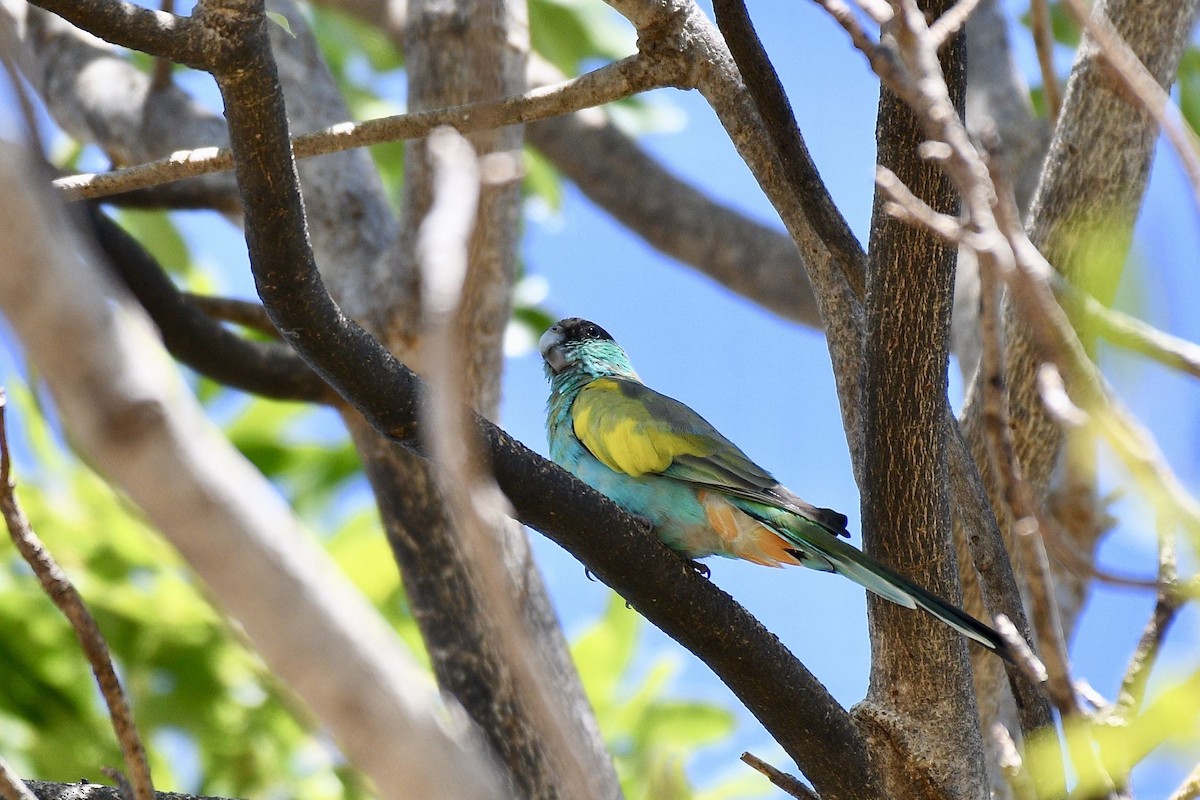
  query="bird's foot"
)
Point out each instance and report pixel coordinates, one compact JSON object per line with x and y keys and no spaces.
{"x":644,"y":522}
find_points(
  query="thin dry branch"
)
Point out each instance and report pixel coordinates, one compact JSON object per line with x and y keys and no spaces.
{"x":1132,"y":693}
{"x":1043,"y":41}
{"x":62,"y":592}
{"x":953,"y":21}
{"x":611,"y":82}
{"x":1012,"y":765}
{"x":788,"y":783}
{"x":11,"y":785}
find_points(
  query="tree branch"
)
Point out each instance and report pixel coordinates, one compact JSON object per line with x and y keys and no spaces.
{"x":66,"y":597}
{"x":785,"y":697}
{"x":780,"y":124}
{"x":920,"y":676}
{"x":74,"y":73}
{"x":606,"y":84}
{"x":265,"y":369}
{"x":122,"y":23}
{"x":127,"y":413}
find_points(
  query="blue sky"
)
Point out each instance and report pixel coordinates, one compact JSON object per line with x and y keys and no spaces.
{"x":767,"y":383}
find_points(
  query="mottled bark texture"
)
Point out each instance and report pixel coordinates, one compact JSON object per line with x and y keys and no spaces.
{"x":920,"y":709}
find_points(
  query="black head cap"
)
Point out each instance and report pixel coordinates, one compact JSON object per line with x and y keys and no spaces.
{"x":577,"y":329}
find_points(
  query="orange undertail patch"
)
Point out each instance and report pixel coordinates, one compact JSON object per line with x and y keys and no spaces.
{"x":744,"y":536}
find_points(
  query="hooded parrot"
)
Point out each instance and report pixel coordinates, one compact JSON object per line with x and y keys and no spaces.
{"x":661,"y":461}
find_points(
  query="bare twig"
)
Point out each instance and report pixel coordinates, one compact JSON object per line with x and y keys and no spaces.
{"x":906,"y":206}
{"x":952,"y":21}
{"x":1043,"y":40}
{"x":1018,"y":494}
{"x":614,"y":81}
{"x":1132,"y":693}
{"x":64,"y":595}
{"x":784,"y":781}
{"x":11,"y":785}
{"x":1022,"y":653}
{"x":1144,"y":89}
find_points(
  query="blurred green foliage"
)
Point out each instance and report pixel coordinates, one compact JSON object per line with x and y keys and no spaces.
{"x":215,"y":720}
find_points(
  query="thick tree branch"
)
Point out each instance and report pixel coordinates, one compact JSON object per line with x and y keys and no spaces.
{"x":786,"y":698}
{"x":158,"y":33}
{"x":780,"y":125}
{"x":920,"y":679}
{"x":265,"y":369}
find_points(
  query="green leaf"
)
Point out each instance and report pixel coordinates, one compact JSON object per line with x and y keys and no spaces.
{"x":542,"y":180}
{"x":604,"y":651}
{"x":281,"y":21}
{"x":343,"y":38}
{"x":685,"y":724}
{"x":568,"y":32}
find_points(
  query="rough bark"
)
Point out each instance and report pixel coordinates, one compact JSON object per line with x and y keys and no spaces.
{"x":920,"y":679}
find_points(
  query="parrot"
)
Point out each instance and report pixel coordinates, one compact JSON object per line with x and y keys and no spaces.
{"x":662,"y":462}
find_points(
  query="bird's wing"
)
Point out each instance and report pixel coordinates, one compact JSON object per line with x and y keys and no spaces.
{"x":635,"y":430}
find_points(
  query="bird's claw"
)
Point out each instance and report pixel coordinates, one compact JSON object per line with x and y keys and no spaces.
{"x":587,"y":573}
{"x":700,"y":569}
{"x":644,"y":522}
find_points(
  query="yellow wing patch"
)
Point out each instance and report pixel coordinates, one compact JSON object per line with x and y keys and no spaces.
{"x":622,"y":433}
